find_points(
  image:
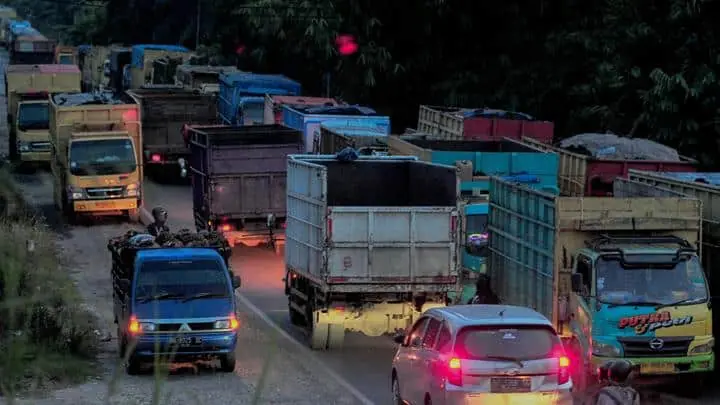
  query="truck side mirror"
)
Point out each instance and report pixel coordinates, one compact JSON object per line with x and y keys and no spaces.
{"x":576,"y":281}
{"x":124,"y":284}
{"x":236,"y":282}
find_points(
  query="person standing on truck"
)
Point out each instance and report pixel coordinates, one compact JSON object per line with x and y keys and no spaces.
{"x":158,"y":226}
{"x":618,"y":391}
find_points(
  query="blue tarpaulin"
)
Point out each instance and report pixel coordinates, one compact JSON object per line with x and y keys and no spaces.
{"x":138,"y":52}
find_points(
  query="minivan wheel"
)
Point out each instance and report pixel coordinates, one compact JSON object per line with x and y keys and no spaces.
{"x":397,"y":398}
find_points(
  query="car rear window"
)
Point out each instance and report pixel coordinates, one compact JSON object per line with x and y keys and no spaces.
{"x":520,"y":342}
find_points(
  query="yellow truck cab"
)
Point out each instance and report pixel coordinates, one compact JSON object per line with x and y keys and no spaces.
{"x":97,"y":163}
{"x":27,"y":89}
{"x":66,"y":55}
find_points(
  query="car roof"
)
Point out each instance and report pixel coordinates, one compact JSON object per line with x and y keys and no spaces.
{"x":459,"y":316}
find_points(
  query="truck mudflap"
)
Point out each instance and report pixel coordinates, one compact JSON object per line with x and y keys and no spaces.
{"x":329,"y":326}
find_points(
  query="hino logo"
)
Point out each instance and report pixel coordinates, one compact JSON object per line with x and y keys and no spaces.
{"x":656,"y":344}
{"x":186,"y":328}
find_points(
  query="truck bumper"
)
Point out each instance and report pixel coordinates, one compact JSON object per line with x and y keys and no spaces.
{"x":255,"y":238}
{"x":213,"y":344}
{"x":35,"y":156}
{"x":106,"y":206}
{"x":375,"y":319}
{"x":664,"y":366}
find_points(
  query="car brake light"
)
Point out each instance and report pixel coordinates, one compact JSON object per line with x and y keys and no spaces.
{"x":454,"y":372}
{"x":134,"y":326}
{"x":156,"y":158}
{"x":563,"y":369}
{"x":225,"y":227}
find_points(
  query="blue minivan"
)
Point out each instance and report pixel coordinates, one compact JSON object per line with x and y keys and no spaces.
{"x":176,"y":304}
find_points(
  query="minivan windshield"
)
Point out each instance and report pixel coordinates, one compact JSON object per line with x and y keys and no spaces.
{"x":651,"y":284}
{"x":33,"y":116}
{"x":512,"y":342}
{"x":181,"y":279}
{"x":102,"y":157}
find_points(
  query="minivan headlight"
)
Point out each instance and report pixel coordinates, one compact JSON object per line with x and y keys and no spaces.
{"x":604,"y":350}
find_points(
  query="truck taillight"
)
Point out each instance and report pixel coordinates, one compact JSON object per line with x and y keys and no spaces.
{"x":329,"y":227}
{"x":453,"y":224}
{"x":155,"y":157}
{"x":130,"y":115}
{"x":225,"y":227}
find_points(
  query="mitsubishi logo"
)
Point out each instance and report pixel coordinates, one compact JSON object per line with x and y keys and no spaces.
{"x":656,"y":344}
{"x":186,"y":328}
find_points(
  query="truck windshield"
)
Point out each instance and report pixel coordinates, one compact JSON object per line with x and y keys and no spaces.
{"x":253,"y":113}
{"x":102,"y":157}
{"x":477,"y":236}
{"x":181,"y":279}
{"x":33,"y":116}
{"x":652,"y":285}
{"x":66,"y":59}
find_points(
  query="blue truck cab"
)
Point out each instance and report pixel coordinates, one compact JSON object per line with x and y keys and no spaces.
{"x":174,"y":304}
{"x":241,"y":100}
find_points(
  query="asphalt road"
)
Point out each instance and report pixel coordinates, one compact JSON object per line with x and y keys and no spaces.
{"x":364,"y":361}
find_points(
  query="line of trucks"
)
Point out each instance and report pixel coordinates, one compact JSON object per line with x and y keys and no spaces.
{"x":377,"y":228}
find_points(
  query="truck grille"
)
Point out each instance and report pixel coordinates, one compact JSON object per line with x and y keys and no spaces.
{"x":40,"y":146}
{"x":640,"y":346}
{"x":194,"y":326}
{"x":105,"y":192}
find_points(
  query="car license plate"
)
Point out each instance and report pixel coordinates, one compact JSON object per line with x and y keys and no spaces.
{"x":101,"y":204}
{"x":188,"y":340}
{"x":657,"y":368}
{"x":510,"y":384}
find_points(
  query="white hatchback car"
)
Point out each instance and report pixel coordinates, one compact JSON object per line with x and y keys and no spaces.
{"x":481,"y":354}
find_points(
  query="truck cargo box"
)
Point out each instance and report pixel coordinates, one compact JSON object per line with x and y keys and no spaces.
{"x":376,"y":224}
{"x":488,"y":158}
{"x":164,"y":110}
{"x":337,"y":135}
{"x":274,"y":103}
{"x":240,"y":172}
{"x":586,"y":175}
{"x":482,"y":124}
{"x":533,"y":236}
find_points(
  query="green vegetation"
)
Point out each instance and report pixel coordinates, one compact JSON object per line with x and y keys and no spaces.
{"x":641,"y":68}
{"x":46,"y":337}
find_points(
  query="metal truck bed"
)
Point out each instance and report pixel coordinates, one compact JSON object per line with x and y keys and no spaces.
{"x":376,"y":224}
{"x":534,"y":234}
{"x":240,"y":172}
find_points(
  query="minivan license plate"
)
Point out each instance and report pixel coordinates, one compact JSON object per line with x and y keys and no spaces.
{"x":188,"y":340}
{"x":510,"y":384}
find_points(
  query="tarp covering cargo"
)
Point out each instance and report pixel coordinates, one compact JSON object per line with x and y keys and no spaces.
{"x":138,"y":52}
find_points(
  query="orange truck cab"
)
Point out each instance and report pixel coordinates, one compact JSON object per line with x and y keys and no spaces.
{"x":66,"y":55}
{"x":97,"y":156}
{"x":27,"y":89}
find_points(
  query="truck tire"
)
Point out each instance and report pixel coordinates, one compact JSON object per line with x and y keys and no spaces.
{"x":132,"y":366}
{"x":227,"y":363}
{"x":12,"y":147}
{"x":296,"y":318}
{"x":134,"y":215}
{"x":319,"y":333}
{"x":336,"y":336}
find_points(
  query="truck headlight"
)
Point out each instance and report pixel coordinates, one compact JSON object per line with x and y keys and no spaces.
{"x":148,"y":327}
{"x":75,"y":193}
{"x":706,"y":348}
{"x":132,"y":190}
{"x":604,"y":350}
{"x":23,"y":146}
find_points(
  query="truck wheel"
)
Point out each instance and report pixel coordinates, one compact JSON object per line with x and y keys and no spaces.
{"x":296,"y":318}
{"x":12,"y":147}
{"x":134,"y":215}
{"x":580,"y":377}
{"x":227,"y":363}
{"x":319,"y":335}
{"x":336,"y":336}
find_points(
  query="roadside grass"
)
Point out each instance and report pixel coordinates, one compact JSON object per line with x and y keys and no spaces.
{"x":46,"y":337}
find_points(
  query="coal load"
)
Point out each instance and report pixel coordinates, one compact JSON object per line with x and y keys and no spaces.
{"x":124,"y":248}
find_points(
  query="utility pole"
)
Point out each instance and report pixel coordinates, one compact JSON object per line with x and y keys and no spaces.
{"x":197,"y":26}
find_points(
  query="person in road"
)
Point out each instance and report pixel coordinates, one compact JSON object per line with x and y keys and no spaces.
{"x":159,"y":225}
{"x":483,"y":293}
{"x":618,"y":390}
